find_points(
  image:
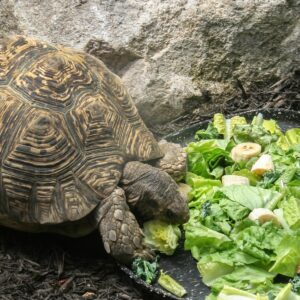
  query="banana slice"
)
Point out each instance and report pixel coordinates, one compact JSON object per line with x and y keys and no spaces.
{"x":245,"y":151}
{"x":234,"y":179}
{"x":263,"y":165}
{"x":263,"y":215}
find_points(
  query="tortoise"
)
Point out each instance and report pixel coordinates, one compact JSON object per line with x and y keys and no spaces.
{"x":75,"y":154}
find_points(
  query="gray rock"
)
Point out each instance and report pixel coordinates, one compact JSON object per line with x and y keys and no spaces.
{"x":173,"y":55}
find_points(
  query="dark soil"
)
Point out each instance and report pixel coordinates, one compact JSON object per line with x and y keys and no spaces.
{"x":34,"y":266}
{"x":45,"y":267}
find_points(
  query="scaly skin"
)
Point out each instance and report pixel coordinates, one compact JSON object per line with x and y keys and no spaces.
{"x":174,"y":160}
{"x":120,"y":231}
{"x":153,"y":194}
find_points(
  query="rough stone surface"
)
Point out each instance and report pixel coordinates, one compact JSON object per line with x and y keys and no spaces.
{"x":173,"y":55}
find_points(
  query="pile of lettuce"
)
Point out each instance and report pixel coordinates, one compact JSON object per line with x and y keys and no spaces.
{"x":239,"y":258}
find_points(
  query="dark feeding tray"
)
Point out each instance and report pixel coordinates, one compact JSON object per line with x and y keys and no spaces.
{"x":181,"y":266}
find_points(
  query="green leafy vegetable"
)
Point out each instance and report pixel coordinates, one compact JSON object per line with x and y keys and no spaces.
{"x":288,"y":256}
{"x":208,"y":158}
{"x":171,"y":285}
{"x":145,"y":270}
{"x":204,"y":238}
{"x":259,"y":241}
{"x":161,"y":236}
{"x":252,"y":197}
{"x":287,"y":294}
{"x":269,"y":178}
{"x":230,"y":293}
{"x":291,"y":211}
{"x":253,"y":133}
{"x":237,"y":257}
{"x":296,"y":284}
{"x":210,"y":133}
{"x":247,"y":278}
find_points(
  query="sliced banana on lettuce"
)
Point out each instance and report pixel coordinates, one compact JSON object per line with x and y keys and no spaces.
{"x":263,"y":164}
{"x":263,"y":215}
{"x":234,"y":180}
{"x":245,"y":151}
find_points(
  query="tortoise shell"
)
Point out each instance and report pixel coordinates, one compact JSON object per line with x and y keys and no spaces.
{"x":67,"y":126}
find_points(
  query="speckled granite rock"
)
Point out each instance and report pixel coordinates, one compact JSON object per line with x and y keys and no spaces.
{"x":173,"y":55}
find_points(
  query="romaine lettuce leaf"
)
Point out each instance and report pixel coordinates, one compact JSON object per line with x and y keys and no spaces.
{"x":161,"y":236}
{"x":232,"y":257}
{"x":287,"y":294}
{"x":204,"y":238}
{"x":291,"y":211}
{"x":210,"y":271}
{"x":209,"y":133}
{"x":294,"y":188}
{"x":253,"y":133}
{"x":208,"y":158}
{"x":226,"y":126}
{"x":293,"y":136}
{"x":253,"y":178}
{"x":248,"y":278}
{"x":252,"y":197}
{"x":288,"y":256}
{"x":230,"y":293}
{"x":259,"y":241}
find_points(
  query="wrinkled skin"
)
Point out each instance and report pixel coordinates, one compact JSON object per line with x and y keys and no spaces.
{"x":153,"y":194}
{"x":149,"y":193}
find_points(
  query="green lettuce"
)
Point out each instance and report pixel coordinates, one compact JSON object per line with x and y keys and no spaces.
{"x":252,"y":197}
{"x":287,"y":294}
{"x":248,"y":278}
{"x":293,"y":136}
{"x":291,"y":211}
{"x":288,"y":256}
{"x":296,"y":284}
{"x":259,"y":241}
{"x":197,"y":235}
{"x":145,"y":270}
{"x":253,"y":133}
{"x":208,"y":158}
{"x":253,"y":178}
{"x":294,"y":188}
{"x":209,"y":133}
{"x":226,"y":126}
{"x":232,"y":257}
{"x":161,"y":236}
{"x":210,"y":271}
{"x":230,"y":293}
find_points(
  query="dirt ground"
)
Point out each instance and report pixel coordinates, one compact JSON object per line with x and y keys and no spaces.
{"x":36,"y":266}
{"x":54,"y":267}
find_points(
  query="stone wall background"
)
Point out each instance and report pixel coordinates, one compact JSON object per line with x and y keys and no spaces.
{"x":174,"y":56}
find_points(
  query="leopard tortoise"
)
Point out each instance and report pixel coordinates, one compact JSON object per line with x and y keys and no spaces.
{"x":72,"y":147}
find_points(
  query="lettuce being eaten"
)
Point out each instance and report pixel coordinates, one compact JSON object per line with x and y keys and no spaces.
{"x":161,"y":236}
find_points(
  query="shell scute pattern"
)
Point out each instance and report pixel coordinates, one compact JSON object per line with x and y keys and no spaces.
{"x":67,"y":126}
{"x":55,"y":80}
{"x":43,"y":147}
{"x":16,"y":52}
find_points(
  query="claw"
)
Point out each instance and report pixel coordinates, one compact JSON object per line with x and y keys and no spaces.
{"x":146,"y":254}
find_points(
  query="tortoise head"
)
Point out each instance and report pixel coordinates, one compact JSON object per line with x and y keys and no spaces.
{"x":153,"y":194}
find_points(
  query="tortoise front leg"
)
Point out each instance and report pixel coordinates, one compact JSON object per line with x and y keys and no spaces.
{"x":120,"y":231}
